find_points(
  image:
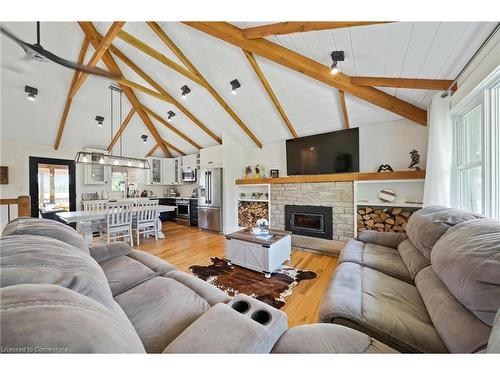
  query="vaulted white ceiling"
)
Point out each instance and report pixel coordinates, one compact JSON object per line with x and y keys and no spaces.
{"x":416,"y":50}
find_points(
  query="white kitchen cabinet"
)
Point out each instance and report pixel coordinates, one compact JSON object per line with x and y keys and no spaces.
{"x":96,"y":174}
{"x":189,"y":162}
{"x":178,"y":170}
{"x":168,"y":171}
{"x":154,"y":174}
{"x":211,"y":157}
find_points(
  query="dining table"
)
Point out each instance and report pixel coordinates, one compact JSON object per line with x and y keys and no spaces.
{"x":85,"y":219}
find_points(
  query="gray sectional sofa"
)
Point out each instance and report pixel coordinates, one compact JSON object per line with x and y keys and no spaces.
{"x":437,"y":290}
{"x":58,"y":295}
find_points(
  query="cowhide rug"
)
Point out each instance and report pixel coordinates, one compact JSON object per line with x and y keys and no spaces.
{"x":234,"y":279}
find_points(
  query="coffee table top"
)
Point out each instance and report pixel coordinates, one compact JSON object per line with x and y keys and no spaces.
{"x":247,"y":235}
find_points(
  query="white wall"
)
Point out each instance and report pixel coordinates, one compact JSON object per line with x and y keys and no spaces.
{"x":384,"y":143}
{"x":232,"y":159}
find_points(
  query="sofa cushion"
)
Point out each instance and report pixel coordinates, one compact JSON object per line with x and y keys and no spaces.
{"x":328,"y":339}
{"x":467,"y":260}
{"x":381,"y":306}
{"x":104,"y":252}
{"x":380,"y":258}
{"x":494,"y":341}
{"x":389,"y":239}
{"x":53,"y":319}
{"x":45,"y":228}
{"x":427,"y":225}
{"x":459,"y":329}
{"x":412,"y":258}
{"x":160,"y":309}
{"x":42,"y":260}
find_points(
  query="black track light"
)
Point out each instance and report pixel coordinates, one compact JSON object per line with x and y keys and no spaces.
{"x":31,"y":92}
{"x":170,"y":114}
{"x":184,"y":91}
{"x":99,"y":120}
{"x":336,"y":57}
{"x":235,"y":84}
{"x":144,"y":138}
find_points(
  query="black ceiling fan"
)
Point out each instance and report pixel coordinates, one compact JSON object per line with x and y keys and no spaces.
{"x":35,"y":52}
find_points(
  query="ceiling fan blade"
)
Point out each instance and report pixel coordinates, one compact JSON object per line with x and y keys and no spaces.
{"x":75,"y":66}
{"x":38,"y":49}
{"x":23,"y":65}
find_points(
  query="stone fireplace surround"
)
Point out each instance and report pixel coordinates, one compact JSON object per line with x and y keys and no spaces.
{"x":338,"y":195}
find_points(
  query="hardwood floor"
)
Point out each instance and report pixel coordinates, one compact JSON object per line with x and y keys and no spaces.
{"x":184,"y":247}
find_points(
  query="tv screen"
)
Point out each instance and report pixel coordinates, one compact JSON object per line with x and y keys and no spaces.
{"x":334,"y":152}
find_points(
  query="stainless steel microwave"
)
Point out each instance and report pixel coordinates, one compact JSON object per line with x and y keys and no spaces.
{"x":189,"y":175}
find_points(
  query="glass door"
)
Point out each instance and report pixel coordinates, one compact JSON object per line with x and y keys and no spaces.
{"x":52,"y":187}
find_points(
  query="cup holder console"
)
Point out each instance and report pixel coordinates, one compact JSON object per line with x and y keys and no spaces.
{"x":241,"y":306}
{"x":261,"y":316}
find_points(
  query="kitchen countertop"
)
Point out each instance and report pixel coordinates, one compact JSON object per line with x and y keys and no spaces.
{"x":172,"y":198}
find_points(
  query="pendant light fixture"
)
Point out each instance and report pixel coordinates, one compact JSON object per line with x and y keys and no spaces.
{"x":88,"y":157}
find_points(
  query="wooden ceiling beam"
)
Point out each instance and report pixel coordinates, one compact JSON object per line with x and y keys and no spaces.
{"x":170,"y":44}
{"x":310,"y":68}
{"x":407,"y":83}
{"x":166,"y":96}
{"x":345,"y":115}
{"x":172,"y":128}
{"x":141,"y":46}
{"x":282,"y":28}
{"x":121,"y":129}
{"x":270,"y":92}
{"x":152,"y":150}
{"x":69,"y":99}
{"x":100,"y":50}
{"x":92,"y":34}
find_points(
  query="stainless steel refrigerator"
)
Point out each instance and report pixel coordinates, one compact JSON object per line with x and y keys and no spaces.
{"x":210,"y":199}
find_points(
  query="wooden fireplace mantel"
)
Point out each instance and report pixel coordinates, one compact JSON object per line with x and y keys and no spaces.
{"x":338,"y":177}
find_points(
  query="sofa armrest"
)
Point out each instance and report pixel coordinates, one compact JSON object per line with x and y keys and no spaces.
{"x":104,"y":252}
{"x":244,"y":325}
{"x":388,"y":239}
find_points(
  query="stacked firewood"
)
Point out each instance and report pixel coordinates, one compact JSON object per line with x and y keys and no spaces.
{"x":250,"y":212}
{"x":383,"y":219}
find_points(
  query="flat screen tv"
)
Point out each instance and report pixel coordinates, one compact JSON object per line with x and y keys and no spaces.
{"x":334,"y":152}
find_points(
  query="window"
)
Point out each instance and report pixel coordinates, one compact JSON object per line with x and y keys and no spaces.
{"x":476,"y":153}
{"x":468,"y":161}
{"x":118,"y":179}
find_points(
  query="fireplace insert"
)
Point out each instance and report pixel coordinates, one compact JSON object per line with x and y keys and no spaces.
{"x":312,"y":221}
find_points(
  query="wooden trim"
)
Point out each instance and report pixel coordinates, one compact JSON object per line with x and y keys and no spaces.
{"x":408,"y":83}
{"x":172,"y":128}
{"x":152,"y":150}
{"x":166,"y":96}
{"x":100,"y":50}
{"x":23,"y":206}
{"x":270,"y":92}
{"x":121,"y":129}
{"x":345,"y":116}
{"x":5,"y":201}
{"x":339,"y":177}
{"x":140,"y":45}
{"x":282,"y":28}
{"x":94,"y":37}
{"x":170,"y":44}
{"x":310,"y":68}
{"x":67,"y":105}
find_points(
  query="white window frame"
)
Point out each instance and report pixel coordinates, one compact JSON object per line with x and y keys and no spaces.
{"x":486,"y":95}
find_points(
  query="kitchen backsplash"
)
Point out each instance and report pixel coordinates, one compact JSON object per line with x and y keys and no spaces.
{"x":183,"y":190}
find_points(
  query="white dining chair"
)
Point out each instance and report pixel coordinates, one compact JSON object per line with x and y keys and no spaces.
{"x":118,"y":222}
{"x":146,"y":218}
{"x":94,"y":206}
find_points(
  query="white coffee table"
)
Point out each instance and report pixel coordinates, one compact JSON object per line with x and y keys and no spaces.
{"x":247,"y":250}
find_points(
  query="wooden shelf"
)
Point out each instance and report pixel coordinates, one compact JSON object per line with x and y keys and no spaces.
{"x":253,"y":200}
{"x":389,"y":204}
{"x":339,"y":177}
